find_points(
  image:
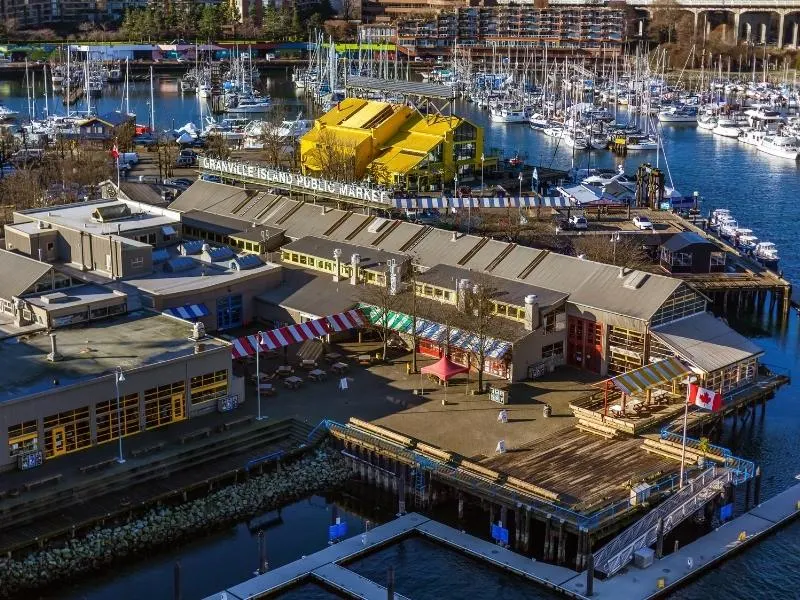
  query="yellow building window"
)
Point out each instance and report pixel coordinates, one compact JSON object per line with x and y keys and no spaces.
{"x":209,"y":387}
{"x":67,"y":432}
{"x":164,"y":404}
{"x":284,"y":256}
{"x":107,"y":418}
{"x":23,"y":438}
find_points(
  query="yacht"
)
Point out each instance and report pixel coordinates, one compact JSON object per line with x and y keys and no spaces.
{"x":249,"y":105}
{"x":727,"y":229}
{"x":508,"y":114}
{"x":576,"y":140}
{"x":752,"y":137}
{"x":538,"y":121}
{"x":747,"y":242}
{"x":783,"y":146}
{"x":727,"y":128}
{"x":6,"y":114}
{"x":554,"y":131}
{"x":598,"y":142}
{"x":707,"y":121}
{"x":767,"y":254}
{"x":678,"y":114}
{"x":232,"y":130}
{"x":641,"y":143}
{"x":718,"y":217}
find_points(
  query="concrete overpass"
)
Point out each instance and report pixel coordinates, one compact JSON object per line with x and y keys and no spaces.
{"x":786,"y":11}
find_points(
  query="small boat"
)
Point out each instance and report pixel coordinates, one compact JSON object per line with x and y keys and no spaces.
{"x":727,"y":128}
{"x":575,"y":140}
{"x":727,"y":229}
{"x":598,"y":142}
{"x":707,"y":121}
{"x":248,"y":105}
{"x":508,"y":114}
{"x":641,"y":143}
{"x":783,"y":146}
{"x":6,"y":114}
{"x":678,"y":114}
{"x":538,"y":121}
{"x":719,"y":216}
{"x":752,"y":137}
{"x":767,"y":254}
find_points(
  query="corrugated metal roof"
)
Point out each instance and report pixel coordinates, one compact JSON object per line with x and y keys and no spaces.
{"x":342,"y":111}
{"x":398,"y":161}
{"x":516,"y":261}
{"x":706,"y":342}
{"x":597,"y":285}
{"x":18,"y":273}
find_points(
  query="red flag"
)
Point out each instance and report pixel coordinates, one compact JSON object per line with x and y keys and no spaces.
{"x":115,"y":152}
{"x":708,"y":399}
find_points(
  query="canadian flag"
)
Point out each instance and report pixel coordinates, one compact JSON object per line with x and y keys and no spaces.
{"x":115,"y":152}
{"x":708,"y":399}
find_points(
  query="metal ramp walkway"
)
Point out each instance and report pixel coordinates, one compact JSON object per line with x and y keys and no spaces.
{"x":615,"y":555}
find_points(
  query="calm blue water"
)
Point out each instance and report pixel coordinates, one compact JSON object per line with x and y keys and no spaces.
{"x":761,"y":191}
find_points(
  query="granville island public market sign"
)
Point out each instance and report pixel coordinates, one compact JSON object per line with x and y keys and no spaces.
{"x":275,"y":176}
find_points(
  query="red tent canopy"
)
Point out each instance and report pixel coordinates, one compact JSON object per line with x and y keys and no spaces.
{"x":444,"y":369}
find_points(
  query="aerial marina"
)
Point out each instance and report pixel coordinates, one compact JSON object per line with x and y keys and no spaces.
{"x":312,"y":306}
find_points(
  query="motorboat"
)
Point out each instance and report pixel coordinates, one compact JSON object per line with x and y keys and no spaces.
{"x":747,"y":242}
{"x":727,"y":128}
{"x":249,"y":105}
{"x":508,"y":114}
{"x":707,"y":121}
{"x":767,"y":254}
{"x":641,"y":143}
{"x":538,"y":121}
{"x":554,"y":131}
{"x":678,"y":114}
{"x":752,"y":137}
{"x":576,"y":140}
{"x":719,"y":216}
{"x":783,"y":146}
{"x":598,"y":142}
{"x":7,"y":114}
{"x":727,"y":229}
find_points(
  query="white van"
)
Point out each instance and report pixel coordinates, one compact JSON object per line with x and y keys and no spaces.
{"x":129,"y":158}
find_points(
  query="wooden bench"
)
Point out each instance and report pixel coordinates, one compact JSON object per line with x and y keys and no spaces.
{"x":198,"y":433}
{"x":31,"y":485}
{"x":103,"y":464}
{"x":238,"y":422}
{"x":148,"y":449}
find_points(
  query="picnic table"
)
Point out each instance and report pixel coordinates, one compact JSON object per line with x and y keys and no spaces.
{"x":364,"y":359}
{"x":267,"y":388}
{"x":308,"y":364}
{"x":262,"y":377}
{"x":293,"y":382}
{"x":616,"y":409}
{"x":317,"y":375}
{"x":284,"y":371}
{"x":333,"y":357}
{"x":339,"y":368}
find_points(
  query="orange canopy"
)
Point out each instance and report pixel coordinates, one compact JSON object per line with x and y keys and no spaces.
{"x":444,"y":369}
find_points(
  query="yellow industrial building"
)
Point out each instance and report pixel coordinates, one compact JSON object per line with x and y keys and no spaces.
{"x":391,"y":144}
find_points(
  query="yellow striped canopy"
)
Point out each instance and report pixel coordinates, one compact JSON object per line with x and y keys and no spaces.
{"x":650,"y":376}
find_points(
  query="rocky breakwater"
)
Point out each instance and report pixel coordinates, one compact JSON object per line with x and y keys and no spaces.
{"x":168,"y":525}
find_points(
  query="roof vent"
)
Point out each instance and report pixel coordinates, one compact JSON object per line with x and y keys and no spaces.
{"x":377,"y":225}
{"x":531,"y":299}
{"x":636,"y":280}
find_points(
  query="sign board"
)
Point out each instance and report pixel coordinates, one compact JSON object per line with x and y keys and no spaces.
{"x":498,"y":395}
{"x":228,"y":403}
{"x":289,"y":179}
{"x":337,"y":531}
{"x":30,"y":460}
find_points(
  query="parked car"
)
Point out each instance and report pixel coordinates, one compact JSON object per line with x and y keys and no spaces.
{"x":129,"y":158}
{"x":187,"y":158}
{"x":642,"y":222}
{"x":578,"y":222}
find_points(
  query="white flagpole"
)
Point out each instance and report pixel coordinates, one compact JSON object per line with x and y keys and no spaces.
{"x":689,"y":381}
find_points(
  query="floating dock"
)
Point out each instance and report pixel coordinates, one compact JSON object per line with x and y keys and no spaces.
{"x":660,"y":578}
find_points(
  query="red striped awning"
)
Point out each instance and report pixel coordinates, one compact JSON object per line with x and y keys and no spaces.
{"x":300,"y":332}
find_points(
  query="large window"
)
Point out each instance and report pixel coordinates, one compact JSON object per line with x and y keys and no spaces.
{"x":67,"y":432}
{"x":717,"y":259}
{"x":108,"y":422}
{"x":555,"y":321}
{"x":164,"y":404}
{"x":23,"y":437}
{"x":626,"y":349}
{"x":553,"y":350}
{"x":682,"y":303}
{"x":209,"y":387}
{"x":732,"y":377}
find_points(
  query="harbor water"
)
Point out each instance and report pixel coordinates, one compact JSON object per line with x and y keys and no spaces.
{"x":761,"y":191}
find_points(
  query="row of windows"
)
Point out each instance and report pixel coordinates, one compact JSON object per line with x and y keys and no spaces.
{"x":682,"y":303}
{"x":202,"y":234}
{"x":329,"y":266}
{"x":733,"y":377}
{"x":110,"y":421}
{"x":209,"y":387}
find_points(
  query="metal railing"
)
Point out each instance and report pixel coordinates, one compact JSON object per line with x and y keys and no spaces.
{"x":619,"y":552}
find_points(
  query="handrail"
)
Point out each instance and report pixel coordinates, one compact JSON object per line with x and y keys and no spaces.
{"x":262,"y":459}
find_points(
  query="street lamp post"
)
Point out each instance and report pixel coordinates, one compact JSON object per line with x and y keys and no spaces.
{"x":614,"y":239}
{"x":258,"y":373}
{"x":119,"y":377}
{"x":688,"y":381}
{"x":483,"y":158}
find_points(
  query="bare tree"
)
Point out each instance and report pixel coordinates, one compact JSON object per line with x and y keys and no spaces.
{"x":619,"y":250}
{"x":275,"y":146}
{"x":479,"y":316}
{"x":333,"y":158}
{"x":409,"y":302}
{"x":384,"y":302}
{"x":217,"y":147}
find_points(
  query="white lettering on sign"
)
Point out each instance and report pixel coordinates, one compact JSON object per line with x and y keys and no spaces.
{"x":286,"y":178}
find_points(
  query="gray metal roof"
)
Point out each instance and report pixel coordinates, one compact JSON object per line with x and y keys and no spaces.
{"x":405,"y":88}
{"x":224,"y":200}
{"x":511,"y":291}
{"x":226,"y":225}
{"x":682,"y":240}
{"x":311,"y":293}
{"x":323,"y":248}
{"x":18,"y":273}
{"x":706,"y":342}
{"x":605,"y":287}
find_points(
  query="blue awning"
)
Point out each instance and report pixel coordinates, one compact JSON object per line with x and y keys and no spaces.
{"x":188,"y":312}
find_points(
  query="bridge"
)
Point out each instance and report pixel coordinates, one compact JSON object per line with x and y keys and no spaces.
{"x":780,"y":16}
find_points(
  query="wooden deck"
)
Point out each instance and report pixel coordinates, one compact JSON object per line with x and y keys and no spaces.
{"x":584,"y":468}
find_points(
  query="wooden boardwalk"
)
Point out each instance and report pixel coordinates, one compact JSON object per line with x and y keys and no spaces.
{"x":583,"y":468}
